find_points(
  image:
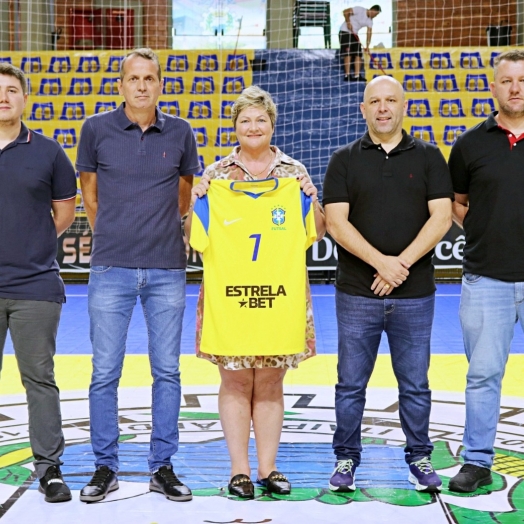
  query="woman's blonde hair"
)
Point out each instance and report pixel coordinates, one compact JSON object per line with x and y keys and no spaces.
{"x":254,"y":97}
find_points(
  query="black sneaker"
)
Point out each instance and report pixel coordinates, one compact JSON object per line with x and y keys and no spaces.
{"x":361,"y":78}
{"x":52,"y":485}
{"x":469,"y":478}
{"x":103,"y":482}
{"x":166,"y":482}
{"x":346,"y":78}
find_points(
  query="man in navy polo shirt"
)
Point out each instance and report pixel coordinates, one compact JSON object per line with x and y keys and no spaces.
{"x":136,"y":171}
{"x":387,"y":198}
{"x":487,"y":168}
{"x":37,"y":204}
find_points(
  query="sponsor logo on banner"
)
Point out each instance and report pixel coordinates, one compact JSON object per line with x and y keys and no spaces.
{"x":74,"y":250}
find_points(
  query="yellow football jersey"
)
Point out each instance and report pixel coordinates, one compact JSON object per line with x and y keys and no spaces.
{"x":254,"y":236}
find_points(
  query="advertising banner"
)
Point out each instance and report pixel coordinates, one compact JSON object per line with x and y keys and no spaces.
{"x":74,"y":251}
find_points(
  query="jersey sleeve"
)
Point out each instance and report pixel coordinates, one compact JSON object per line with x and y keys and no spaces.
{"x":199,"y":239}
{"x":308,"y":214}
{"x":64,"y":178}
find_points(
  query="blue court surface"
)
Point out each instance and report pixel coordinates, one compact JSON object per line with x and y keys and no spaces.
{"x":73,"y":334}
{"x":305,"y":453}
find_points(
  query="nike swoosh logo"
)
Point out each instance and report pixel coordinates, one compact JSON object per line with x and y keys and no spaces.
{"x":229,"y":222}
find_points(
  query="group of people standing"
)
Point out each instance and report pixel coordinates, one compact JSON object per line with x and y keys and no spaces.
{"x":388,"y":199}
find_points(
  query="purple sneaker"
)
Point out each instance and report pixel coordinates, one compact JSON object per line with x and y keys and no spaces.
{"x":343,"y":478}
{"x":422,"y":474}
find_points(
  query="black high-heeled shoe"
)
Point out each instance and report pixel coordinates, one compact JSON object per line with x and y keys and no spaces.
{"x":241,"y":486}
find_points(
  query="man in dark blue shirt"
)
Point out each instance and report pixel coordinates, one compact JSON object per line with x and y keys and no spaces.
{"x":136,"y":170}
{"x":36,"y":178}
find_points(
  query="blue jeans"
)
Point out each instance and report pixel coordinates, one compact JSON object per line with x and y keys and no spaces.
{"x":112,"y":295}
{"x":407,"y":323}
{"x":489,"y":310}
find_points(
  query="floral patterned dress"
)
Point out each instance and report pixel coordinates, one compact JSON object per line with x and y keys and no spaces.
{"x":232,"y":168}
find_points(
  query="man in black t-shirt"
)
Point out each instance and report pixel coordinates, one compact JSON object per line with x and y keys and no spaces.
{"x":387,"y":198}
{"x":36,"y":178}
{"x":487,"y":168}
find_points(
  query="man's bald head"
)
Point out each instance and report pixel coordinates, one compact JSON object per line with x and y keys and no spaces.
{"x":381,"y":83}
{"x":383,"y":108}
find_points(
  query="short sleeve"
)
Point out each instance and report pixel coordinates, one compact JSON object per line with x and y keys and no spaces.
{"x":438,"y":178}
{"x":308,"y":212}
{"x":458,"y":169}
{"x":189,"y":164}
{"x":335,"y":188}
{"x":64,"y":179}
{"x":86,"y":158}
{"x":199,"y":239}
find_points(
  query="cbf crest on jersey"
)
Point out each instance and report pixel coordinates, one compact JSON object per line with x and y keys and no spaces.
{"x":278,"y":216}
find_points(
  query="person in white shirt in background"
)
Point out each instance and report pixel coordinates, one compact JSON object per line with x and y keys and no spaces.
{"x":355,"y":18}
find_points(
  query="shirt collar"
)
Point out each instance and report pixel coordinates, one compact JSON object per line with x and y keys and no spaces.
{"x":124,"y":122}
{"x":491,"y":123}
{"x":25,"y":135}
{"x":407,"y":142}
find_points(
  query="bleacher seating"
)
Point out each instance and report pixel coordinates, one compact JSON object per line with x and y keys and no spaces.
{"x":410,"y":60}
{"x":451,"y":108}
{"x":424,"y":133}
{"x":482,"y":107}
{"x":226,"y":136}
{"x":236,"y":62}
{"x":451,"y":133}
{"x":73,"y":111}
{"x":233,"y":85}
{"x":199,"y":109}
{"x":50,"y":86}
{"x":203,"y":85}
{"x":419,"y":108}
{"x":380,"y":60}
{"x":445,"y":83}
{"x":171,"y":107}
{"x":207,"y":62}
{"x":173,"y":85}
{"x":88,"y":64}
{"x":440,"y":60}
{"x":59,"y":64}
{"x":414,"y":83}
{"x":471,"y":60}
{"x":477,"y":82}
{"x":42,"y":111}
{"x":100,"y":107}
{"x":447,"y":91}
{"x":177,"y":63}
{"x":109,"y":86}
{"x":80,"y":87}
{"x":31,"y":64}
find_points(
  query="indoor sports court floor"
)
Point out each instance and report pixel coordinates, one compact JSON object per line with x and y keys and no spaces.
{"x":383,"y":495}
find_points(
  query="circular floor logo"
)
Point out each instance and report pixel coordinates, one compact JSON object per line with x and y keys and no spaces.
{"x":305,"y":455}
